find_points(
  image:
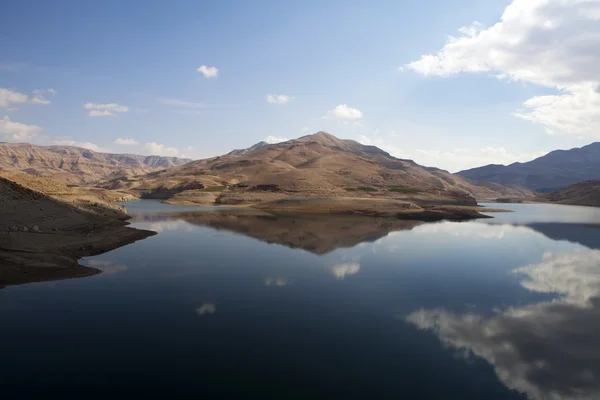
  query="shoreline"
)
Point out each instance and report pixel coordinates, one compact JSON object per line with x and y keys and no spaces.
{"x":58,"y":253}
{"x":399,"y":208}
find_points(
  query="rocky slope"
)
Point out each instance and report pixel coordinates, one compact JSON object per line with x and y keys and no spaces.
{"x":76,"y":165}
{"x":550,"y":172}
{"x":316,"y":165}
{"x":41,"y":237}
{"x":585,"y":193}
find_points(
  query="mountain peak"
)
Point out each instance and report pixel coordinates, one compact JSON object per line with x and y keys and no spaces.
{"x":324,"y":138}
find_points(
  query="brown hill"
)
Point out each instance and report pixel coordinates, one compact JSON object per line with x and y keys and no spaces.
{"x":76,"y":165}
{"x":41,"y":237}
{"x":580,"y":194}
{"x":317,"y":165}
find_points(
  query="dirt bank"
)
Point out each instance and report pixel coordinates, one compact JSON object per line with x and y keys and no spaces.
{"x":41,"y":238}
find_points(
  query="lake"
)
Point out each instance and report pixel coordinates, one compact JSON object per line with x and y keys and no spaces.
{"x":247,"y":305}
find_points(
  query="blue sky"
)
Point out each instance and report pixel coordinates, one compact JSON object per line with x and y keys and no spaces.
{"x":130,"y":70}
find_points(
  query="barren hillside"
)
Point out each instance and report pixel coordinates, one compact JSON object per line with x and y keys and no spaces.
{"x":581,"y":194}
{"x":76,"y":165}
{"x":319,"y":164}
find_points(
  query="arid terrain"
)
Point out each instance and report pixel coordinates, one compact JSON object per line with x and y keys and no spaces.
{"x":585,"y":193}
{"x":75,"y":165}
{"x":42,"y":236}
{"x":318,"y":166}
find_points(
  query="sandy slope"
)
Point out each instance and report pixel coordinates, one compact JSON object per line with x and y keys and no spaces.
{"x":41,"y":237}
{"x":77,"y":165}
{"x":581,"y":194}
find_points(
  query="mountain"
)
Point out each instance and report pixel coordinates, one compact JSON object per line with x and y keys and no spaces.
{"x":76,"y":165}
{"x":318,"y":165}
{"x":585,"y":193}
{"x":243,"y":152}
{"x":550,"y":172}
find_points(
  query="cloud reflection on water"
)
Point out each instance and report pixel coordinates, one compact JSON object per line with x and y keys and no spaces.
{"x":548,"y":350}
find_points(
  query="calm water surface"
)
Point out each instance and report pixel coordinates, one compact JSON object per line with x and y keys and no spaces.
{"x":223,"y":305}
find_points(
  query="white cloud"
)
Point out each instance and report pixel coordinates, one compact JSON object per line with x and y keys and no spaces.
{"x":39,"y":99}
{"x":459,"y":159}
{"x":100,"y":113}
{"x":158,"y":149}
{"x":16,"y":131}
{"x":275,"y":139}
{"x":577,"y":111}
{"x":377,"y":140}
{"x":105,"y":110}
{"x":342,"y":111}
{"x":279,"y":98}
{"x":8,"y":97}
{"x":453,"y":160}
{"x":52,"y":91}
{"x":185,"y":104}
{"x":75,"y":143}
{"x":554,"y":43}
{"x":125,"y":141}
{"x":208,"y":72}
{"x":340,"y":271}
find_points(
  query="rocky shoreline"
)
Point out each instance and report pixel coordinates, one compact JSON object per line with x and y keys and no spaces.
{"x":41,"y":238}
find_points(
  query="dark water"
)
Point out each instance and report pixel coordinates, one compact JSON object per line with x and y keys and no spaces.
{"x":223,"y":305}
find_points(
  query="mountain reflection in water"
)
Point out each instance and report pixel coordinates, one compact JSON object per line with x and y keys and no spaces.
{"x":247,"y":304}
{"x":317,"y":234}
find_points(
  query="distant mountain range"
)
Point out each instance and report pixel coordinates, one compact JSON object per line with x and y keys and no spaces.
{"x":76,"y":165}
{"x":553,"y":171}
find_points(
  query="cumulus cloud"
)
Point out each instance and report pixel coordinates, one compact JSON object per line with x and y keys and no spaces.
{"x":342,"y":112}
{"x":75,"y":143}
{"x":275,"y":139}
{"x":100,"y":113}
{"x":185,"y":104}
{"x":39,"y":99}
{"x":548,"y":350}
{"x":279,"y":98}
{"x":340,"y":271}
{"x":104,"y":110}
{"x":459,"y":159}
{"x":9,"y":97}
{"x":16,"y":131}
{"x":125,"y":141}
{"x":158,"y":149}
{"x":554,"y":43}
{"x":208,"y":72}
